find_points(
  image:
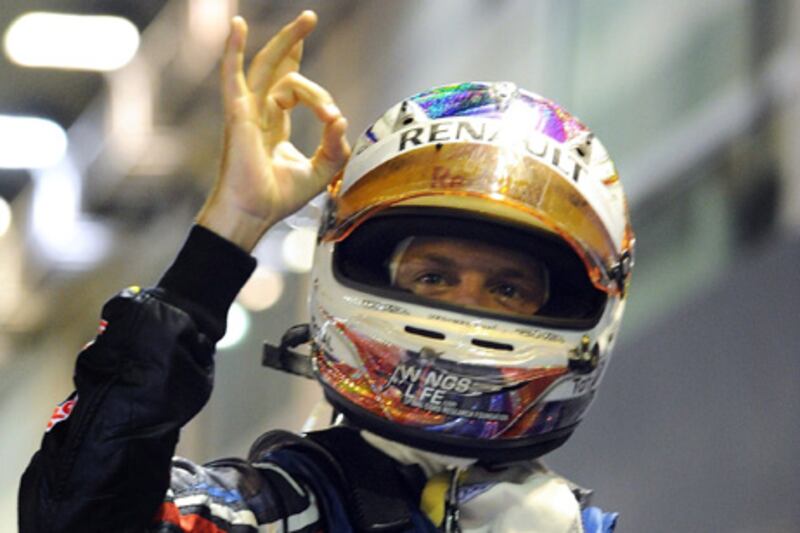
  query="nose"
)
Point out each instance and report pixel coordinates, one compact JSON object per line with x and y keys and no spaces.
{"x":469,"y":291}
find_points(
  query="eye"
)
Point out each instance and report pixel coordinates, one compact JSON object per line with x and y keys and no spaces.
{"x":430,"y":278}
{"x":506,"y":290}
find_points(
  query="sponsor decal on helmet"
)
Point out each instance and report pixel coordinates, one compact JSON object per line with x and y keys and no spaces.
{"x":377,"y":306}
{"x":423,"y":388}
{"x":491,"y":131}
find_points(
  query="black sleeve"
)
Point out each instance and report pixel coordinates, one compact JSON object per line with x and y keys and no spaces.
{"x":104,"y":462}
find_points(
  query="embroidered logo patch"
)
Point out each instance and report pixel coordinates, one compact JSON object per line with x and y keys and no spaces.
{"x":61,"y":412}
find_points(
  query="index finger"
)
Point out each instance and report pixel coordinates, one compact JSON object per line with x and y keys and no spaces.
{"x":285,"y":46}
{"x":233,"y":81}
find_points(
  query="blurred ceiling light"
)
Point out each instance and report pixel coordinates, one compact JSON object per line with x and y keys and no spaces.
{"x":59,"y":231}
{"x":238,"y":325}
{"x":209,"y":20}
{"x":131,"y":112}
{"x":5,"y":216}
{"x":56,"y":200}
{"x":30,"y":142}
{"x":262,"y":290}
{"x":82,"y":42}
{"x":268,"y":250}
{"x":208,"y":26}
{"x":310,"y":214}
{"x":297,"y":249}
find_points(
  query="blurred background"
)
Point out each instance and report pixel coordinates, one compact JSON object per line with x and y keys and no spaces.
{"x":109,"y":138}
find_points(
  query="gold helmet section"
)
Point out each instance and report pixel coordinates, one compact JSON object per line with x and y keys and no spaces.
{"x":501,"y":182}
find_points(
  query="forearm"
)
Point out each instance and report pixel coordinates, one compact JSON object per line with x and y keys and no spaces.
{"x":106,"y":467}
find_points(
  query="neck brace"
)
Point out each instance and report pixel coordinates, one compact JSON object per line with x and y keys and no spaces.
{"x":525,"y":496}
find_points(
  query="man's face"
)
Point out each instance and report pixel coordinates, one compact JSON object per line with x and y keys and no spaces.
{"x":472,"y":274}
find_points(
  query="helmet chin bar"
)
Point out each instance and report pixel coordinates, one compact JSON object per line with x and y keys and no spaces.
{"x":285,"y":359}
{"x":497,"y":453}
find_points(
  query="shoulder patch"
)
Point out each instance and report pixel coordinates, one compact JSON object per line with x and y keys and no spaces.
{"x":62,"y":412}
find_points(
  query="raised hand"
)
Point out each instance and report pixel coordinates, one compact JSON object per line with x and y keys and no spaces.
{"x":263,"y":177}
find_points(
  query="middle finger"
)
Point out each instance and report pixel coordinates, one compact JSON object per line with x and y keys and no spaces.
{"x":281,"y":54}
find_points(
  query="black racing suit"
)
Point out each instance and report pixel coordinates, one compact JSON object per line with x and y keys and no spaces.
{"x":106,"y":461}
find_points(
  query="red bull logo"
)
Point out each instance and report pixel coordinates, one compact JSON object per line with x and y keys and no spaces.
{"x":61,"y":412}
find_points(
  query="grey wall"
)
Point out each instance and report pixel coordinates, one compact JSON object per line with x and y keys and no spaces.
{"x":697,"y":425}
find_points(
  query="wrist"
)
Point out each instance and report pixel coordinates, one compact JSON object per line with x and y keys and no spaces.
{"x":239,"y":227}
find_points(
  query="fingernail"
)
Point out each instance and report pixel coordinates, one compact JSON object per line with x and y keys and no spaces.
{"x":310,"y":16}
{"x":331,"y":110}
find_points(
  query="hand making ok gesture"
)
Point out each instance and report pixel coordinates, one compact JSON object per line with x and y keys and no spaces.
{"x":263,"y":177}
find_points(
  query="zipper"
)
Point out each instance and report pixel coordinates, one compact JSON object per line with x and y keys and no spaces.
{"x":451,"y":508}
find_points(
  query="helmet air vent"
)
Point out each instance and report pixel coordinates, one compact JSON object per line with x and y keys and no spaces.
{"x":492,"y":345}
{"x":425,"y":333}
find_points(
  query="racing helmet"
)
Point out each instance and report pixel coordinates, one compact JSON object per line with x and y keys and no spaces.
{"x":505,"y":172}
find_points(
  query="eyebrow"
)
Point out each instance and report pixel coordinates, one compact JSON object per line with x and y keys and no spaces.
{"x":440,"y":259}
{"x":507,"y":272}
{"x":513,"y":273}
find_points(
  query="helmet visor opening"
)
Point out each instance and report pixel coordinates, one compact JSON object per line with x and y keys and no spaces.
{"x":449,"y":260}
{"x":501,"y":180}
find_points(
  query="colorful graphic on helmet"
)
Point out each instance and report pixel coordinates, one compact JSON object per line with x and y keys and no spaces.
{"x":465,"y":99}
{"x":485,"y":100}
{"x":425,"y":390}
